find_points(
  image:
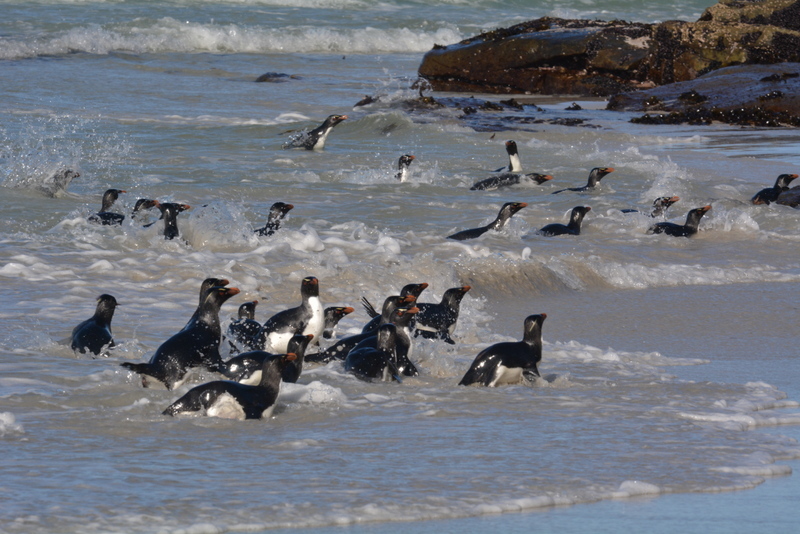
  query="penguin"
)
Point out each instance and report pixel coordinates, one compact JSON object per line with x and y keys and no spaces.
{"x":378,"y":362}
{"x":333,"y":315}
{"x":660,"y":206}
{"x":232,"y":400}
{"x":790,"y":197}
{"x":243,"y":332}
{"x":197,"y":345}
{"x":514,"y":163}
{"x":55,"y":185}
{"x":246,"y":367}
{"x":276,"y":214}
{"x":389,"y":305}
{"x":94,"y":334}
{"x":401,"y":318}
{"x":595,"y":176}
{"x":438,"y":321}
{"x":107,"y":217}
{"x":770,"y":194}
{"x":681,"y":230}
{"x":141,"y":205}
{"x":315,"y":139}
{"x":340,"y":349}
{"x":205,"y":285}
{"x":308,"y":318}
{"x":508,"y":209}
{"x":508,"y":179}
{"x":508,"y":362}
{"x":402,"y":167}
{"x":573,"y":228}
{"x":414,"y":290}
{"x":169,"y":212}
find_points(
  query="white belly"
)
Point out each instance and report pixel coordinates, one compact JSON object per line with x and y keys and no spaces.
{"x":277,"y":342}
{"x":253,"y":379}
{"x":505,"y":375}
{"x":317,"y":323}
{"x":225,"y":407}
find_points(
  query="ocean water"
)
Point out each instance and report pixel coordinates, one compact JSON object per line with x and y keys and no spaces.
{"x":669,"y":374}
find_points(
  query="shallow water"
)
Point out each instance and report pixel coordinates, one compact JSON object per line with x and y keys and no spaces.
{"x":669,"y":364}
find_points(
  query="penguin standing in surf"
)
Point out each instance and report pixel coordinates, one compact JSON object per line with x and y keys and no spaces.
{"x":307,"y":318}
{"x":315,"y":139}
{"x":94,"y":334}
{"x":232,"y":400}
{"x":509,"y":362}
{"x":243,"y":332}
{"x":378,"y":362}
{"x":438,"y":320}
{"x":401,"y":318}
{"x":197,"y":345}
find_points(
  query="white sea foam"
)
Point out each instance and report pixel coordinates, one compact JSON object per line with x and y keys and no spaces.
{"x":171,"y":35}
{"x":9,"y":425}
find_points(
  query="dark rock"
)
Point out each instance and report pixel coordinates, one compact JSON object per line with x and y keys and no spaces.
{"x":558,"y":56}
{"x":276,"y":77}
{"x":734,"y":94}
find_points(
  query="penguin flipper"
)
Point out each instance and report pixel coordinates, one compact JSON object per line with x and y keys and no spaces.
{"x":481,"y":371}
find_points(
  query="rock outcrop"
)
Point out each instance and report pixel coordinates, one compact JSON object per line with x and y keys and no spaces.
{"x":596,"y":58}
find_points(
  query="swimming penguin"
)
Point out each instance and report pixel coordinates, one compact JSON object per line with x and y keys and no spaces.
{"x":315,"y":139}
{"x":141,"y":205}
{"x":508,"y":179}
{"x":770,"y":194}
{"x":232,"y":400}
{"x":378,"y":362}
{"x":333,"y":315}
{"x":660,"y":206}
{"x":508,"y":209}
{"x":205,"y":285}
{"x":243,"y":332}
{"x":308,"y":318}
{"x":508,"y":362}
{"x":438,"y":320}
{"x":246,"y":367}
{"x":681,"y":230}
{"x":94,"y":334}
{"x":595,"y":176}
{"x":402,"y":167}
{"x":197,"y":345}
{"x":104,"y":216}
{"x":573,"y":228}
{"x":169,"y":212}
{"x":402,"y":319}
{"x":514,"y":163}
{"x":56,"y":184}
{"x":276,"y":214}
